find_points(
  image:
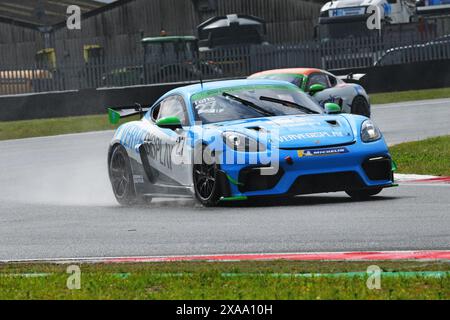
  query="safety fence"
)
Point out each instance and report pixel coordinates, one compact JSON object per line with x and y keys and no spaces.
{"x":224,"y":63}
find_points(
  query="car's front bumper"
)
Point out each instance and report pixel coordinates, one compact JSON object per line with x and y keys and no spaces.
{"x":363,"y":165}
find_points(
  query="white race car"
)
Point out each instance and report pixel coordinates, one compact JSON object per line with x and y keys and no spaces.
{"x":324,"y":87}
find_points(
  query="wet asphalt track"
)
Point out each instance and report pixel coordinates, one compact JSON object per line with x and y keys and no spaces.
{"x":56,"y":202}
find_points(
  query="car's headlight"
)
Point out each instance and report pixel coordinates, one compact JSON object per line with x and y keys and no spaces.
{"x":241,"y":142}
{"x":369,"y":131}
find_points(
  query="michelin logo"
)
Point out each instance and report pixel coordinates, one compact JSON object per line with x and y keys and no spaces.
{"x":321,"y":152}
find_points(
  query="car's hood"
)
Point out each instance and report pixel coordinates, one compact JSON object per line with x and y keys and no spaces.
{"x":296,"y":131}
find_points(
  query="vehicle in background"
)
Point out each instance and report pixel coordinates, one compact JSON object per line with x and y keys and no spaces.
{"x":166,"y":59}
{"x":324,"y":87}
{"x":244,"y":139}
{"x":230,"y":31}
{"x":185,"y":58}
{"x":398,"y":18}
{"x":348,"y":18}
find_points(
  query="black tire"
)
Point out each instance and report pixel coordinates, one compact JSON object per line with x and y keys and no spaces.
{"x":121,"y":177}
{"x":206,"y":185}
{"x":363,"y":194}
{"x":361,"y":106}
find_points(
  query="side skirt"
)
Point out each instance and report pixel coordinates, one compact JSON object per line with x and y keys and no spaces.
{"x":145,"y":186}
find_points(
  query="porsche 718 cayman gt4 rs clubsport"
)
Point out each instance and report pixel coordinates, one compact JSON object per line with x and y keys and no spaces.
{"x":244,"y":139}
{"x":325,"y":87}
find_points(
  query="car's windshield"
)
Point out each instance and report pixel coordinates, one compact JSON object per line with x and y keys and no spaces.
{"x":296,"y":79}
{"x":213,"y":106}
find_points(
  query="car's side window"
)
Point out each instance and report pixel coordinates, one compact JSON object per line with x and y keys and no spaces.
{"x":333,"y":80}
{"x":155,"y":112}
{"x":173,"y":106}
{"x":318,"y":78}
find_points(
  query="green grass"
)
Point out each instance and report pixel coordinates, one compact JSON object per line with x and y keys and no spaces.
{"x":50,"y":127}
{"x":430,"y":156}
{"x":391,"y":97}
{"x":203,"y":280}
{"x":55,"y":126}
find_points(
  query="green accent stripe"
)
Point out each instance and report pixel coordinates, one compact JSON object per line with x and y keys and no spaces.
{"x":43,"y":275}
{"x":236,"y":198}
{"x":361,"y":274}
{"x":394,"y":166}
{"x":401,"y":274}
{"x":26,"y":275}
{"x":235,"y":182}
{"x":406,"y":274}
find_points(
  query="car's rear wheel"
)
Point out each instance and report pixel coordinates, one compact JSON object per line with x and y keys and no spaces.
{"x":361,"y":106}
{"x":363,"y":194}
{"x":206,"y":185}
{"x":121,"y":177}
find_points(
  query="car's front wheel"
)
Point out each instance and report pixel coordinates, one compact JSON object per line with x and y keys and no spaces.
{"x":363,"y":194}
{"x":361,"y":106}
{"x":206,"y":185}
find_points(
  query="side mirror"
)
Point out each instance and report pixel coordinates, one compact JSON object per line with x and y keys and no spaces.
{"x":332,"y":108}
{"x":171,"y":123}
{"x":316,"y":88}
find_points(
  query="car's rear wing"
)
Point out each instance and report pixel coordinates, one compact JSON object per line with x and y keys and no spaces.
{"x":117,"y":113}
{"x":352,"y":76}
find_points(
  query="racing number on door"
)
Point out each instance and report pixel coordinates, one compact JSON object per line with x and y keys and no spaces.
{"x":179,"y":145}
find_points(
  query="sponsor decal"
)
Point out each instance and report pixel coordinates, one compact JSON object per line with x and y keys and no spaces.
{"x":351,"y":11}
{"x":321,"y":152}
{"x":158,"y":150}
{"x":131,"y":136}
{"x":311,"y":135}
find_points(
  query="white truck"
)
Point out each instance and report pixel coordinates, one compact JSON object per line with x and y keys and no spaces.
{"x":433,"y":7}
{"x":344,"y":18}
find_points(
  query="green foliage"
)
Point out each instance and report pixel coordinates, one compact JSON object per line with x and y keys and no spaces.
{"x":430,"y":156}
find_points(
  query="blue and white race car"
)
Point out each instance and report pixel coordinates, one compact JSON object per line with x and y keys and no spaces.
{"x":244,"y":139}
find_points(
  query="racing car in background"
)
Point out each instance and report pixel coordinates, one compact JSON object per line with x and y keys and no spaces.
{"x":241,"y":139}
{"x":324,"y":87}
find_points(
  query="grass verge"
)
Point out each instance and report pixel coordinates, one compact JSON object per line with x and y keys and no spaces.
{"x":391,"y":97}
{"x":430,"y":156}
{"x":50,"y":127}
{"x":208,"y":280}
{"x":55,"y":126}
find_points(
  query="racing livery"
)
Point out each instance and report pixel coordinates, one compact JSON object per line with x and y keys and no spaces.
{"x":324,"y":87}
{"x":240,"y":139}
